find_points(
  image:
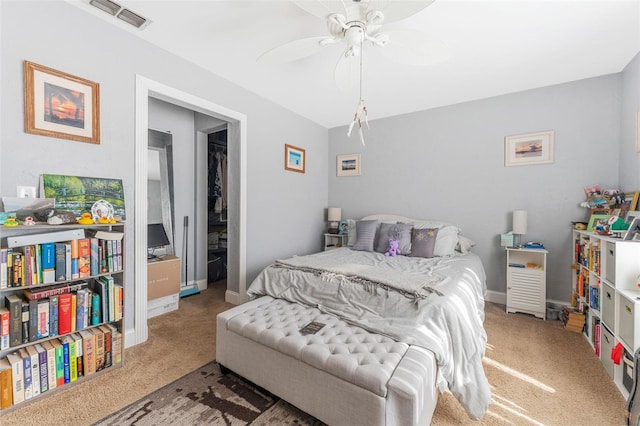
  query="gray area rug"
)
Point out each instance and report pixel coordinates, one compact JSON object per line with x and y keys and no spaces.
{"x":208,"y":397}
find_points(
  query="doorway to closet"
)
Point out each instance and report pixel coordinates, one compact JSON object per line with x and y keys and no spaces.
{"x":217,"y":211}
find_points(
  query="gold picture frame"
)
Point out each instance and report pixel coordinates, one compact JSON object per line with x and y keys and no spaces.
{"x":61,"y":105}
{"x":294,"y":158}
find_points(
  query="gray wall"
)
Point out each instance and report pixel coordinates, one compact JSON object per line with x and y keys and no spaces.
{"x":448,"y":164}
{"x":284,"y":211}
{"x":630,"y":160}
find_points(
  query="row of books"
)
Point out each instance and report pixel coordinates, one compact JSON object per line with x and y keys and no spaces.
{"x":587,"y":253}
{"x":50,"y":262}
{"x":36,"y":369}
{"x":58,"y":310}
{"x":572,"y":319}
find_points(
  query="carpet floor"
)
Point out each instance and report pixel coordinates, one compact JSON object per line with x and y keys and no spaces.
{"x":539,"y":373}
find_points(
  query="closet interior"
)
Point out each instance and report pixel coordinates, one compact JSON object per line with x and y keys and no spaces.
{"x":217,"y":206}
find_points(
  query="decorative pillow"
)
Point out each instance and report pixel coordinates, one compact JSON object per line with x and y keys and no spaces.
{"x":423,"y":242}
{"x":464,"y":244}
{"x":365,"y":235}
{"x":397,"y":231}
{"x":351,"y":225}
{"x":447,"y":241}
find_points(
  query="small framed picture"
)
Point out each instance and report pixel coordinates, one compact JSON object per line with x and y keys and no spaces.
{"x":633,"y":233}
{"x":60,"y":105}
{"x":343,"y":227}
{"x":294,"y":158}
{"x":529,"y":148}
{"x":349,"y":165}
{"x":598,"y":221}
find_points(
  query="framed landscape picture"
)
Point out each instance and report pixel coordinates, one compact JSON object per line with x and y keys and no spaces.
{"x":597,"y":220}
{"x":529,"y":148}
{"x":349,"y":165}
{"x":294,"y":158}
{"x":60,"y":105}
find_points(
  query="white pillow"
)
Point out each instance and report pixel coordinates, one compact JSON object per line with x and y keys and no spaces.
{"x":446,"y":240}
{"x":464,"y":244}
{"x":351,"y":240}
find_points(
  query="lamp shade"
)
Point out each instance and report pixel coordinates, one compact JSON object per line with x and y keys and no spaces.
{"x":520,"y":222}
{"x":334,"y":214}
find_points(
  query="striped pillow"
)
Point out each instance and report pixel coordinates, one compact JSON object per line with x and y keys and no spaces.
{"x":365,"y":235}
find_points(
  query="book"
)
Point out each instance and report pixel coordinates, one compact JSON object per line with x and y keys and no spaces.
{"x":25,"y":322}
{"x":99,"y":348}
{"x":6,"y":386}
{"x":3,"y":267}
{"x":26,"y":373}
{"x":59,"y":357}
{"x":67,"y":261}
{"x":17,"y":268}
{"x":61,"y":262}
{"x":33,"y":320}
{"x":17,"y":377}
{"x":79,"y":353}
{"x":51,"y":363}
{"x":53,"y":316}
{"x":55,"y":237}
{"x":84,"y":258}
{"x":34,"y":358}
{"x":43,"y":318}
{"x":96,"y":306}
{"x":108,"y":345}
{"x":74,"y":303}
{"x":104,"y":235}
{"x":82,"y":308}
{"x":95,"y":256}
{"x":65,"y":359}
{"x":4,"y":329}
{"x":48,"y":263}
{"x":88,"y":344}
{"x":47,"y":292}
{"x":64,"y":313}
{"x":44,"y":367}
{"x":14,"y":304}
{"x":74,"y":260}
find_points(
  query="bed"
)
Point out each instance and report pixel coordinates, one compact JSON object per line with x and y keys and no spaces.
{"x":352,"y":336}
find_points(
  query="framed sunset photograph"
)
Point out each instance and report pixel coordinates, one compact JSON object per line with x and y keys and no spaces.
{"x":60,"y":105}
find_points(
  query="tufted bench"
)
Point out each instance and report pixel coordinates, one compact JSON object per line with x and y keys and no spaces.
{"x":342,"y":374}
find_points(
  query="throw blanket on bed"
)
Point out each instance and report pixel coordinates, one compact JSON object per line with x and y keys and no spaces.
{"x":435,"y":303}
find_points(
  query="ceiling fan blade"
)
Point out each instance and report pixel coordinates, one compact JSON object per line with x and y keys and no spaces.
{"x":411,"y":47}
{"x":347,"y":72}
{"x":294,"y":50}
{"x":321,"y":8}
{"x":395,"y":10}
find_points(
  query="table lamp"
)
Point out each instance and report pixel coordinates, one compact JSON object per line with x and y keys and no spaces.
{"x":334,"y":215}
{"x":519,"y":225}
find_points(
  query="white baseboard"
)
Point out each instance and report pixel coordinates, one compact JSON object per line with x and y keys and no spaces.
{"x":232,"y":297}
{"x":496,"y":297}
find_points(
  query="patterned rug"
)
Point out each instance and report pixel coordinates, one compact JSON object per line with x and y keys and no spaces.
{"x":207,"y":397}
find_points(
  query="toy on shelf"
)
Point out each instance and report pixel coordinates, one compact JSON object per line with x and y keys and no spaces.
{"x":29,"y":221}
{"x":85,"y":219}
{"x":11,"y":222}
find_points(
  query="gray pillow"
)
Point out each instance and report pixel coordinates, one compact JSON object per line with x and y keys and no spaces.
{"x":397,"y":231}
{"x":423,"y":242}
{"x":365,"y":235}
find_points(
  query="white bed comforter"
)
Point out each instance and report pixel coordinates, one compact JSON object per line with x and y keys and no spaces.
{"x":434,"y":303}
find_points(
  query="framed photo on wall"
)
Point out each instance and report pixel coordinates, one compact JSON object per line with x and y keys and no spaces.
{"x":529,"y":148}
{"x":294,"y":158}
{"x":61,"y":105}
{"x":349,"y":165}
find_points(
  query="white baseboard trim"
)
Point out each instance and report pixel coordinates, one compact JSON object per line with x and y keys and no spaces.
{"x":232,"y":297}
{"x":202,"y":284}
{"x":496,"y":297}
{"x":129,"y":338}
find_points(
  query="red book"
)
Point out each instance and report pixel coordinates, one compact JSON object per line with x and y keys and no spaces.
{"x":84,"y":258}
{"x":64,"y":313}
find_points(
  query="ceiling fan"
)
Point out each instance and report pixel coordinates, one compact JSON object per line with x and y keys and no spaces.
{"x":356,"y":23}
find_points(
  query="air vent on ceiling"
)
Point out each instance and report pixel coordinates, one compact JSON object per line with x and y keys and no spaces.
{"x":126,"y":15}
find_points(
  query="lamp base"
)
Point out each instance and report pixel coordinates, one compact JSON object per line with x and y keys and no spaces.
{"x":333,"y":228}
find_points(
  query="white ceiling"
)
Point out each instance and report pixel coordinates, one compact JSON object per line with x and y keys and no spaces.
{"x":495,"y":47}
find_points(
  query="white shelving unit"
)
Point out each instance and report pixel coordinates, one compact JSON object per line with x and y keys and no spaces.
{"x":605,"y":281}
{"x":40,"y":233}
{"x":527,"y":281}
{"x":333,"y":241}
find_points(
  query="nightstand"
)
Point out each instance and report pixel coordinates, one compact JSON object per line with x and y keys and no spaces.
{"x":332,"y":241}
{"x":527,"y":281}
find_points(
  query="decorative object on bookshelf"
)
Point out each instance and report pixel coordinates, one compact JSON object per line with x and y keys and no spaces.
{"x":78,"y":193}
{"x":85,"y":219}
{"x":61,"y":105}
{"x":597,"y":222}
{"x":102,"y":212}
{"x":294,"y":158}
{"x":529,"y":148}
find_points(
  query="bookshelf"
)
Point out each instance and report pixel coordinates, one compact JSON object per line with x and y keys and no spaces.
{"x":605,"y":274}
{"x":62,"y":309}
